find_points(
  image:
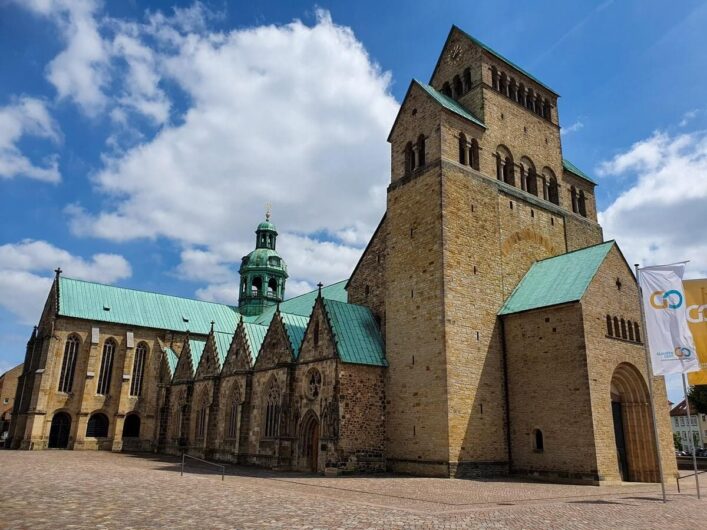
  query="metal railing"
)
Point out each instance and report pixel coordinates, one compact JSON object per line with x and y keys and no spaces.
{"x":185,"y":456}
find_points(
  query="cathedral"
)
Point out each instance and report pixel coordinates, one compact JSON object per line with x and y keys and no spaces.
{"x":487,"y":329}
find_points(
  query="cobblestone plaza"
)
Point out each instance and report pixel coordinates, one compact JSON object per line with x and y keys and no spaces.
{"x":66,"y":489}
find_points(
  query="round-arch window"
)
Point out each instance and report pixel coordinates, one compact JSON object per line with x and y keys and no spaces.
{"x":538,"y":441}
{"x":313,"y":383}
{"x":97,"y":426}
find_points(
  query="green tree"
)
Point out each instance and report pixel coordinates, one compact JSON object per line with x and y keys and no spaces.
{"x":677,"y":441}
{"x":698,"y":399}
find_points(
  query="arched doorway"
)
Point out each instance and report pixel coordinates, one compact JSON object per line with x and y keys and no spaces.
{"x":59,"y":432}
{"x":131,"y":427}
{"x":97,"y":426}
{"x":309,"y":442}
{"x":636,"y":456}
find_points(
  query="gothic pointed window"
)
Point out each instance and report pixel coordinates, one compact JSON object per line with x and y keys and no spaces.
{"x":233,"y":410}
{"x":202,"y":415}
{"x":106,"y":371}
{"x":462,"y":148}
{"x":421,"y":150}
{"x":68,"y":364}
{"x":138,"y":369}
{"x":474,"y":154}
{"x":272,"y":411}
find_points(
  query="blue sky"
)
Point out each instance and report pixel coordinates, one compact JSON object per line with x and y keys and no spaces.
{"x":140,"y":141}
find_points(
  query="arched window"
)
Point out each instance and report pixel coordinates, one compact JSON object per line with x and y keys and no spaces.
{"x":447,"y":90}
{"x":458,"y":87}
{"x":513,"y":89}
{"x":272,"y":411}
{"x":508,"y":172}
{"x":131,"y":427}
{"x":538,"y":105}
{"x":494,"y":78}
{"x":272,"y":287}
{"x":68,"y":364}
{"x":538,"y":441}
{"x":504,"y":165}
{"x":530,"y":100}
{"x":421,"y":150}
{"x":503,"y":85}
{"x":97,"y":426}
{"x":106,"y":372}
{"x":529,"y":181}
{"x":202,"y":415}
{"x":256,"y":286}
{"x":609,"y":327}
{"x":546,"y":109}
{"x":617,"y":329}
{"x":409,"y":158}
{"x":233,"y":420}
{"x":462,"y":148}
{"x":467,"y":80}
{"x":138,"y":369}
{"x":573,"y":193}
{"x":629,"y":324}
{"x":624,"y":335}
{"x":553,"y":194}
{"x":582,"y":204}
{"x":474,"y":154}
{"x":521,"y":94}
{"x":636,"y":332}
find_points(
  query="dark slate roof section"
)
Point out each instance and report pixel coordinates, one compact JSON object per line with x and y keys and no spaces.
{"x":557,"y":280}
{"x":450,"y":104}
{"x":569,"y":166}
{"x":357,"y":336}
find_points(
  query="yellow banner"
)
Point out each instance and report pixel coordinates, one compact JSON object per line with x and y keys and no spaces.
{"x":696,"y":294}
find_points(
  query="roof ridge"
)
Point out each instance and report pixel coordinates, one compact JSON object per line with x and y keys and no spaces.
{"x":451,"y":104}
{"x":149,"y":292}
{"x":575,"y":251}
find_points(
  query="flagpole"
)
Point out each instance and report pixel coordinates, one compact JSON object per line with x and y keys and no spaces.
{"x":692,"y":437}
{"x":649,"y":374}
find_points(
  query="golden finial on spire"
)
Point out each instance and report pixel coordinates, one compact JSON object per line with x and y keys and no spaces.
{"x":268,"y":211}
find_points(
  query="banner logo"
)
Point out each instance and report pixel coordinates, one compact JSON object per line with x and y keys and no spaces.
{"x":671,"y":299}
{"x":697,"y":314}
{"x":683,"y":353}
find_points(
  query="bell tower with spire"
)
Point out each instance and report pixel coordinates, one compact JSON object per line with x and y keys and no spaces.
{"x":263,"y":272}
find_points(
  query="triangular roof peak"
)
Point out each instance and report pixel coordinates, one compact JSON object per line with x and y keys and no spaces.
{"x":557,"y":280}
{"x":491,"y":51}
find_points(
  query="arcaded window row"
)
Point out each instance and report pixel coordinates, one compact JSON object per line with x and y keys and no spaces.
{"x":415,"y":155}
{"x":518,"y":92}
{"x":459,"y":85}
{"x":622,"y":329}
{"x":543,"y":185}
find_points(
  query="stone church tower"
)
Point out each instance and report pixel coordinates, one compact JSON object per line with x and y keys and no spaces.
{"x":479,"y":192}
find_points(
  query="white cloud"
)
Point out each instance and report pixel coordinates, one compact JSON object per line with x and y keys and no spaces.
{"x":26,"y":274}
{"x":79,"y":72}
{"x":688,"y":117}
{"x":295,"y":115}
{"x":576,"y":126}
{"x":26,"y":117}
{"x":660,"y":217}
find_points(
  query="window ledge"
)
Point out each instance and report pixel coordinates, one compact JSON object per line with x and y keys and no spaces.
{"x":637,"y":343}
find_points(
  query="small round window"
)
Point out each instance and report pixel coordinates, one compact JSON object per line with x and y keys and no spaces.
{"x":313,"y":383}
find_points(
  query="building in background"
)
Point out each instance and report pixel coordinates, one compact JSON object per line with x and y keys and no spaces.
{"x":695,"y":427}
{"x":8,"y":389}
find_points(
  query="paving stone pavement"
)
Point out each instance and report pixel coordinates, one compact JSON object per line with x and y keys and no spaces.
{"x":82,"y":489}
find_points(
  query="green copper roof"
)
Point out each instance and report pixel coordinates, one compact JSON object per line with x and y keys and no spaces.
{"x":303,"y":304}
{"x":172,"y":359}
{"x":295,"y":325}
{"x":223,"y":344}
{"x":356,"y":333}
{"x":266,"y":225}
{"x":105,"y":303}
{"x":196,"y":348}
{"x":501,"y":57}
{"x":557,"y":280}
{"x":449,"y":104}
{"x":255,"y":335}
{"x":569,"y":166}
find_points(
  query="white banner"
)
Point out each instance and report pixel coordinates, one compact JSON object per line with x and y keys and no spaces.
{"x":670,"y":342}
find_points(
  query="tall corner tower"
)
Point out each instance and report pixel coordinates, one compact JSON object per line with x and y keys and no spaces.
{"x":263,"y":273}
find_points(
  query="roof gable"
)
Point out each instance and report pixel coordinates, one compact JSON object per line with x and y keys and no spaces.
{"x":450,"y":104}
{"x":569,"y":166}
{"x":557,"y":280}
